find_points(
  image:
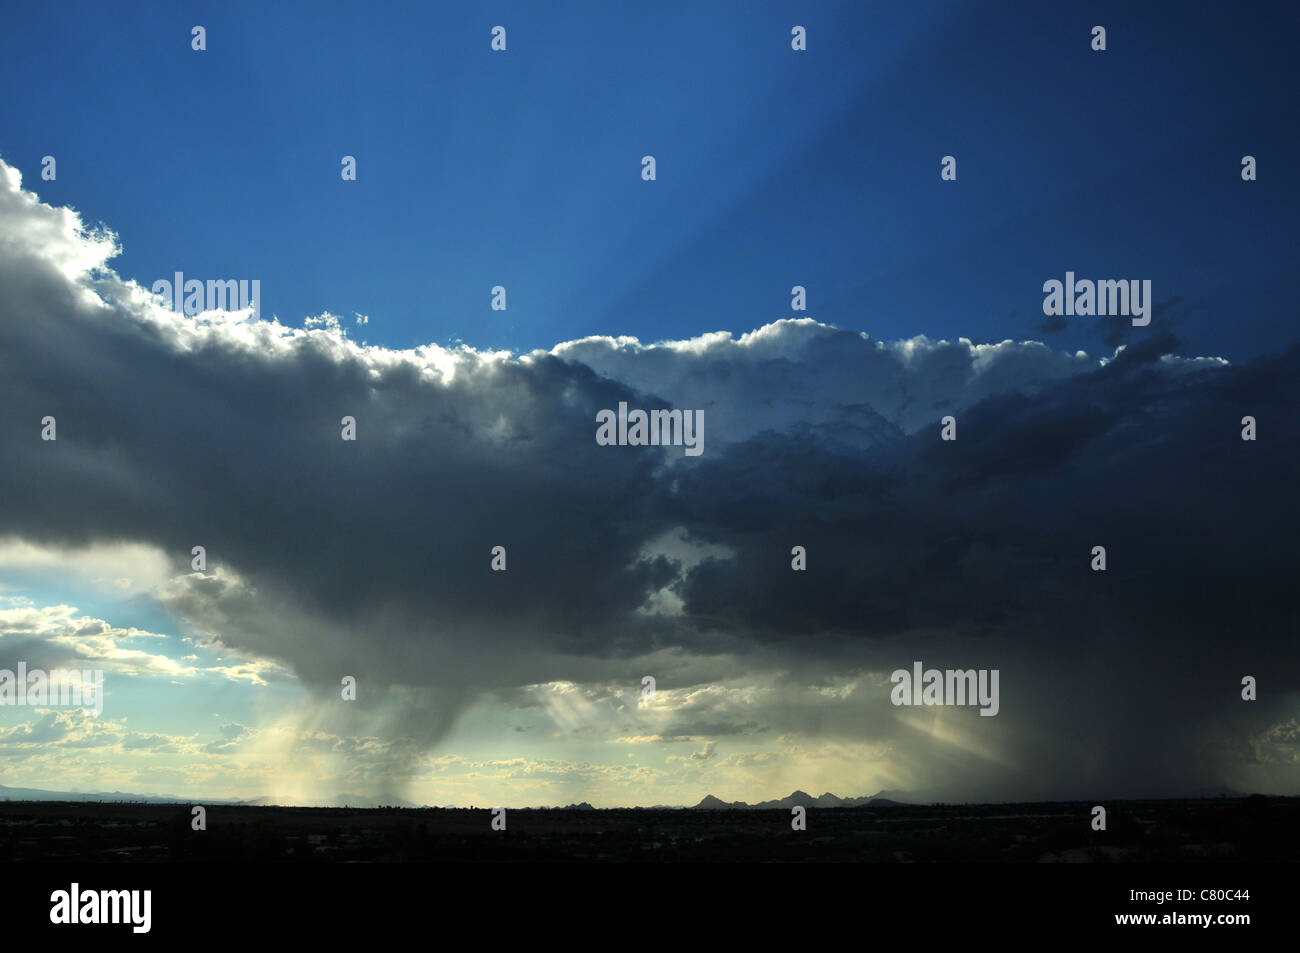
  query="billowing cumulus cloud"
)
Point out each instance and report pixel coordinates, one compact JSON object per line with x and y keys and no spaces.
{"x":371,"y":558}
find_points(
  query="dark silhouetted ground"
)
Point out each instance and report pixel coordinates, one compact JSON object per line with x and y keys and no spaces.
{"x":1227,"y":829}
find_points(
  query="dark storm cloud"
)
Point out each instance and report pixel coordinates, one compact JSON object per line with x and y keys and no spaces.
{"x":372,"y":558}
{"x":978,"y":552}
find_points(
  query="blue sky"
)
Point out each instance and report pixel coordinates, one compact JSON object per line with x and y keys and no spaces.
{"x":775,"y":168}
{"x":522,"y":169}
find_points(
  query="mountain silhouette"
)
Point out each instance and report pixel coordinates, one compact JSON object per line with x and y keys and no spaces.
{"x":801,"y":799}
